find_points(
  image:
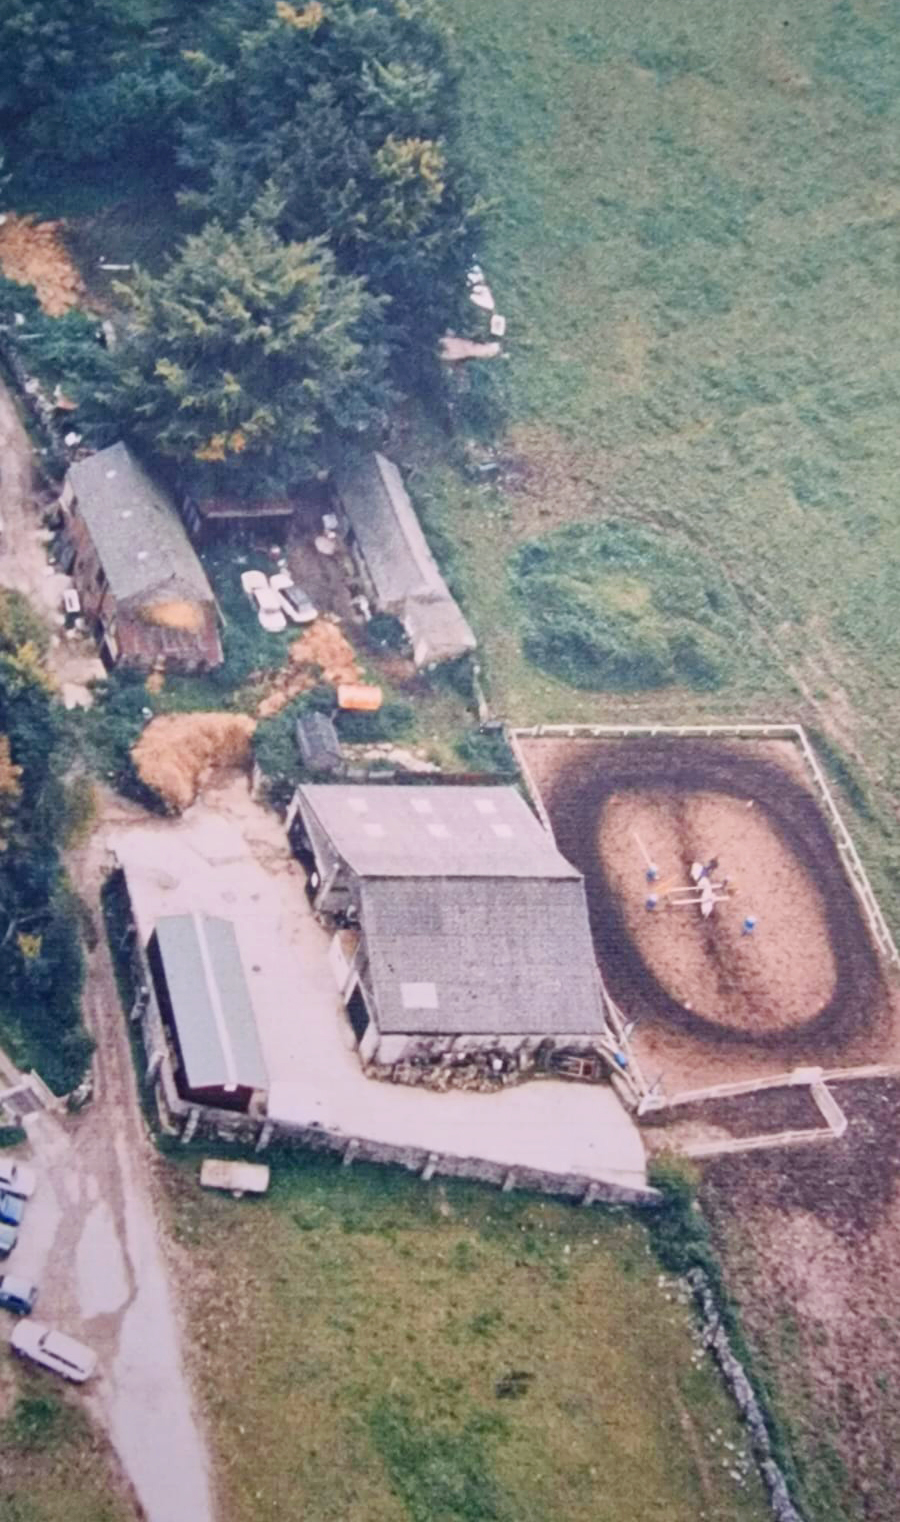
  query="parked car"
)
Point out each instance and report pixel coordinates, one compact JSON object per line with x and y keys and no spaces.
{"x":9,"y":1236}
{"x":53,"y":1350}
{"x":295,"y":603}
{"x":17,"y":1295}
{"x":17,"y":1178}
{"x":252,"y":581}
{"x":269,"y":610}
{"x":12,"y":1209}
{"x":266,"y":599}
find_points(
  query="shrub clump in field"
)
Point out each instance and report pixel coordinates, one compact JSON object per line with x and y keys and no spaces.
{"x":616,"y":606}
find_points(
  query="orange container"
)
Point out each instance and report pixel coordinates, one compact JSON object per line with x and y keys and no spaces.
{"x":359,"y":697}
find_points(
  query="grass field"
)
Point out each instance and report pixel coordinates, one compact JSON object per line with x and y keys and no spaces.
{"x":374,"y":1350}
{"x":695,"y":246}
{"x":54,"y":1464}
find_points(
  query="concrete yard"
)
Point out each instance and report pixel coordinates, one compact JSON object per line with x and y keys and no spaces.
{"x":229,"y":856}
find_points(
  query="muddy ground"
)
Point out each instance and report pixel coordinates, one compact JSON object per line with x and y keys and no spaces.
{"x":811,"y":1245}
{"x":764,"y":1113}
{"x":807,"y":988}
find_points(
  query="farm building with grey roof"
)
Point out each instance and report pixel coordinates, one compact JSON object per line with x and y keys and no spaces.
{"x":142,"y":587}
{"x":467,"y":928}
{"x":393,"y":555}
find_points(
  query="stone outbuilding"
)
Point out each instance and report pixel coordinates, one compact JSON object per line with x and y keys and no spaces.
{"x":458,"y":925}
{"x":395,"y":562}
{"x":143,"y":590}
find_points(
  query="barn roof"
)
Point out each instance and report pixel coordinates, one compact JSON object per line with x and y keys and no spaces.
{"x":396,"y":553}
{"x":139,"y":538}
{"x":442,"y":831}
{"x":491,"y":956}
{"x":210,"y":1001}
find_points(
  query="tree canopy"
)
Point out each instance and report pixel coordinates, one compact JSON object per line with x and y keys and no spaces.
{"x":320,"y":140}
{"x":244,"y":351}
{"x":349,"y":111}
{"x":41,"y":966}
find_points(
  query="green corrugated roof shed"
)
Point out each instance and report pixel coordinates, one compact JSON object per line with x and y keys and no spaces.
{"x":211,"y":1003}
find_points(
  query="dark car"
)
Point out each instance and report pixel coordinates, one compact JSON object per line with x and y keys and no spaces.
{"x":17,"y":1295}
{"x":9,"y":1236}
{"x":12,"y":1209}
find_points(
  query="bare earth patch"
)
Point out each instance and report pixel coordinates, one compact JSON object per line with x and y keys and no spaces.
{"x":811,"y":1237}
{"x":773,"y":979}
{"x":805,"y":988}
{"x":34,"y":253}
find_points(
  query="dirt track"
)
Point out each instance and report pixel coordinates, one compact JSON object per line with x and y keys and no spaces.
{"x":842,"y":1012}
{"x":810,"y":1243}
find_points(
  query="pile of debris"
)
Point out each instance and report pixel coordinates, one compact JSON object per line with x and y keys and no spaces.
{"x":481,"y":1071}
{"x":321,"y":654}
{"x":34,"y":253}
{"x":388,"y":757}
{"x":453,"y":347}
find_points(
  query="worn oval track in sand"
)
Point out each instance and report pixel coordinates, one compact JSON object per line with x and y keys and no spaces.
{"x":770,"y":982}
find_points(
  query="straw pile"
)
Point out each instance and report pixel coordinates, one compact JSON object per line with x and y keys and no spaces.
{"x":178,"y":754}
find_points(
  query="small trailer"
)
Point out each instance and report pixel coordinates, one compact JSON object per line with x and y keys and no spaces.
{"x":238,"y":1178}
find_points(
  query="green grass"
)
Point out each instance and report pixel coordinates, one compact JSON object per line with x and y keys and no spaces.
{"x":695,"y":247}
{"x":617,"y":606}
{"x":55,"y":1466}
{"x":373,"y":1349}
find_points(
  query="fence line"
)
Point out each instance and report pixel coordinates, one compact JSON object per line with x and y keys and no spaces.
{"x":856,"y":872}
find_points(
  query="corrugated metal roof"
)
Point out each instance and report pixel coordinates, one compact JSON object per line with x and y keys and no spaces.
{"x":495,"y":956}
{"x":403,"y":570}
{"x":135,"y":528}
{"x":437,"y":628}
{"x":444,"y":831}
{"x":211,"y":1002}
{"x":318,"y":743}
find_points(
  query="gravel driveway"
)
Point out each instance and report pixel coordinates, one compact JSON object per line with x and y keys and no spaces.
{"x":93,"y":1242}
{"x":91,"y":1238}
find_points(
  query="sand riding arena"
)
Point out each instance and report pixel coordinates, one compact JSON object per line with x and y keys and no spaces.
{"x":791,"y":966}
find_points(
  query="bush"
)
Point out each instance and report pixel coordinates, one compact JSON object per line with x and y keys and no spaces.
{"x":487,"y":751}
{"x":275,"y":746}
{"x":385,"y":632}
{"x":107,"y":731}
{"x":40,"y":1420}
{"x":393,"y":721}
{"x":81,"y":809}
{"x":620,"y":607}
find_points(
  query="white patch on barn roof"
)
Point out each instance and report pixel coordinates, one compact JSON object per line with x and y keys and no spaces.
{"x":485,"y":805}
{"x":503,"y":831}
{"x":358,"y":805}
{"x":212,"y":993}
{"x":439,"y":831}
{"x":375,"y":830}
{"x":419,"y":995}
{"x":420,"y":805}
{"x":411,"y":848}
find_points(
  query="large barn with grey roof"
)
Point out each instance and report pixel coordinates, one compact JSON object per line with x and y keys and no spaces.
{"x":458,"y":924}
